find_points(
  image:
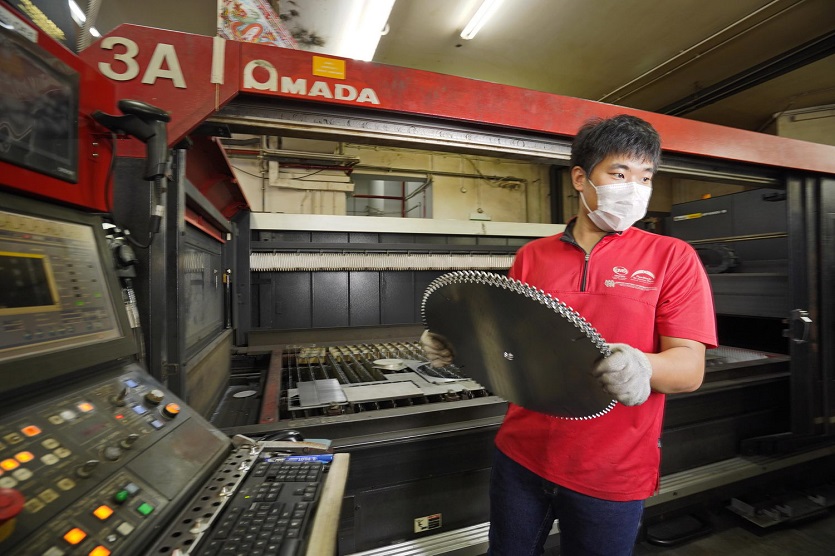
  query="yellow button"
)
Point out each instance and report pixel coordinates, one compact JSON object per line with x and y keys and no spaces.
{"x":9,"y":464}
{"x":74,"y":536}
{"x":31,"y":430}
{"x":103,"y":512}
{"x":85,"y":407}
{"x":24,"y":457}
{"x":99,"y":551}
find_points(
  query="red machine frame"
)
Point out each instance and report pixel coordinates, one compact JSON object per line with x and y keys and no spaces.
{"x":193,"y":76}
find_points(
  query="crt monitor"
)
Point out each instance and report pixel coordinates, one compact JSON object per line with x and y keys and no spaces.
{"x":60,"y":304}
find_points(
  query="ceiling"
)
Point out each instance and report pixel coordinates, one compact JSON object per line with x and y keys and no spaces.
{"x":730,"y":62}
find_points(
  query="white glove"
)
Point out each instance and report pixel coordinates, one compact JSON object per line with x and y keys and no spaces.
{"x":625,"y":374}
{"x":436,"y":348}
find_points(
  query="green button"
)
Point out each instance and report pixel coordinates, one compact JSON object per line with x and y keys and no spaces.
{"x":145,"y":509}
{"x":120,"y":496}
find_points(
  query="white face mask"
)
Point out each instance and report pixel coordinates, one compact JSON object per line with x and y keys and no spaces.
{"x":619,"y":205}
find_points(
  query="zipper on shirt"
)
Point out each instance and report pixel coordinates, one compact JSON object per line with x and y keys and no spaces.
{"x":586,"y":257}
{"x":585,"y":271}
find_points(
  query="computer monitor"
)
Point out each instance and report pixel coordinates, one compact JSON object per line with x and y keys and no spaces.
{"x":39,"y":96}
{"x":61,"y":310}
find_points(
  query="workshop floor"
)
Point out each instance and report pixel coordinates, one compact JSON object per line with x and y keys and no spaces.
{"x":731,"y":537}
{"x":811,"y":538}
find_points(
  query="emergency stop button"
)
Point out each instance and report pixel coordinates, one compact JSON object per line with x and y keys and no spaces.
{"x":171,"y":410}
{"x":11,"y":504}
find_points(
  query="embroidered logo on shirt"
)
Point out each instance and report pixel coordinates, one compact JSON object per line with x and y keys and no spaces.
{"x":644,"y":276}
{"x":639,"y":280}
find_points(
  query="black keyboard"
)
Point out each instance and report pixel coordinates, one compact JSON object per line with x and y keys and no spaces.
{"x":271,"y":513}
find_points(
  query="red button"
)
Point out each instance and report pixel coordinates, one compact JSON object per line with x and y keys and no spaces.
{"x":11,"y":503}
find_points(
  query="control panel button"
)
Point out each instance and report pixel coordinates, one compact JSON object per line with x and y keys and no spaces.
{"x":121,"y":496}
{"x":171,"y":410}
{"x":155,"y":396}
{"x":103,"y":512}
{"x":112,"y":453}
{"x":99,"y":551}
{"x":75,"y":536}
{"x":145,"y":509}
{"x":67,"y":415}
{"x":48,"y":496}
{"x":66,"y":484}
{"x":9,"y":464}
{"x":31,"y":430}
{"x":13,"y":438}
{"x":50,"y":443}
{"x":125,"y":529}
{"x":24,"y":457}
{"x":22,"y":474}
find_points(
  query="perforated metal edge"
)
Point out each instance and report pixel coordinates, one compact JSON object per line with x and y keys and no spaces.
{"x":538,"y":295}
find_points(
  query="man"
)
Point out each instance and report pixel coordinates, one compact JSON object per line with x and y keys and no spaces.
{"x":646,"y":293}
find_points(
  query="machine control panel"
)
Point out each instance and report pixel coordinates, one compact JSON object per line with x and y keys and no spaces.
{"x":91,"y":471}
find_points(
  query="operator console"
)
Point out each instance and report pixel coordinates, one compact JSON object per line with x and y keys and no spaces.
{"x":97,"y":470}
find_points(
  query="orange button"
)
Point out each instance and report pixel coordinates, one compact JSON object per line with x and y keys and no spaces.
{"x":85,"y":407}
{"x":24,"y":457}
{"x":9,"y":464}
{"x":103,"y":512}
{"x":74,"y":536}
{"x":99,"y":551}
{"x":31,"y":430}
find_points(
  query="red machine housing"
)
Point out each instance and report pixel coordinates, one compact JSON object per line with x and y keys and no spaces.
{"x":193,"y":76}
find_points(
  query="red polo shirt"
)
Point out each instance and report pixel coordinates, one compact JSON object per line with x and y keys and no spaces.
{"x":634,"y":287}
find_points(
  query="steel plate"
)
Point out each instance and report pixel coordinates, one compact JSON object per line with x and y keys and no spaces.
{"x":520,"y":343}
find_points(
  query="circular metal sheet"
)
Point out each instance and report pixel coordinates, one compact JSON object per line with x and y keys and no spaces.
{"x":518,"y":342}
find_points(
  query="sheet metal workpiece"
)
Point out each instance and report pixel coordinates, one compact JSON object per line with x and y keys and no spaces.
{"x":519,"y":342}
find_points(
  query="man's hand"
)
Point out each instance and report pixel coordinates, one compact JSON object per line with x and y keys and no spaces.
{"x":436,"y":348}
{"x":625,"y":374}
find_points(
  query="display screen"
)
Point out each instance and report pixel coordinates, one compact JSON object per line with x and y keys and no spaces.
{"x":38,"y":109}
{"x":26,"y":284}
{"x":53,"y":292}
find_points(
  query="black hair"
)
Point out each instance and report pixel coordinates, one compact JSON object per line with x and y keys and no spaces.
{"x":623,"y":135}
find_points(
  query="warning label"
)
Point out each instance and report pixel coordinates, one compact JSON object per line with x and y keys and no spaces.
{"x":427,"y":523}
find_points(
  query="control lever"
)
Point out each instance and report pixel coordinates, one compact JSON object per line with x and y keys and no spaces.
{"x":146,"y":123}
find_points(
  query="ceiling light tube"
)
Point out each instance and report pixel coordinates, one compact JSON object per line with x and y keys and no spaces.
{"x":77,"y":12}
{"x":481,"y":16}
{"x":366,"y":23}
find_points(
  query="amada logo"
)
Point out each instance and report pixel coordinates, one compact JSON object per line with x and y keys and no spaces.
{"x":644,"y":276}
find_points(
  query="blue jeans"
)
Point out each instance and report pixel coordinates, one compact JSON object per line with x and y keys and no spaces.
{"x":523,"y":507}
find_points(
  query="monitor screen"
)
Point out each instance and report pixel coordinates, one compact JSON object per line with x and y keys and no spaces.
{"x":60,"y":303}
{"x":38,"y":109}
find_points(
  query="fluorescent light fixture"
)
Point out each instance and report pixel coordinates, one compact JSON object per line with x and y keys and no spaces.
{"x":365,"y":26}
{"x":79,"y":18}
{"x":482,"y":14}
{"x":77,"y":13}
